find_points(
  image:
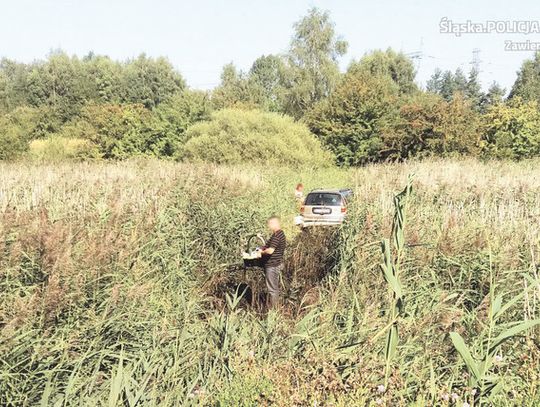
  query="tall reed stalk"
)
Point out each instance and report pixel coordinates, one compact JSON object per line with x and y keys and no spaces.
{"x":393,"y":251}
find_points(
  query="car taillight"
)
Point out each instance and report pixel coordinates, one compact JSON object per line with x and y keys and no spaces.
{"x":302,"y":209}
{"x":343,"y":209}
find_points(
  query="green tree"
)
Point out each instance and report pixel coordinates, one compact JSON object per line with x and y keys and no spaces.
{"x":268,"y":78}
{"x":456,"y":127}
{"x":57,"y":83}
{"x":411,"y":134}
{"x":4,"y":80}
{"x":473,"y":89}
{"x":13,"y":84}
{"x":313,"y":61}
{"x":353,"y":120}
{"x":150,"y":81}
{"x":493,"y":96}
{"x":396,"y":65}
{"x":103,"y":79}
{"x":234,"y":90}
{"x":446,"y":83}
{"x":460,"y":81}
{"x":66,"y":83}
{"x":173,"y":117}
{"x":433,"y":84}
{"x":527,"y":84}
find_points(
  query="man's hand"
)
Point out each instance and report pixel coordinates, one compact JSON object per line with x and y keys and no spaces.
{"x":268,"y":250}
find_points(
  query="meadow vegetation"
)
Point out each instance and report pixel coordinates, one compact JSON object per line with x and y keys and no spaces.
{"x":120,"y":284}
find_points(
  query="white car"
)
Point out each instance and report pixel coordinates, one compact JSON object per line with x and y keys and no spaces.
{"x":325,"y":207}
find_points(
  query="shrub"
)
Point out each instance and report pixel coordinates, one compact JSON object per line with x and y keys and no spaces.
{"x":16,"y":129}
{"x":430,"y":125}
{"x":235,"y":136}
{"x":12,"y":140}
{"x":123,"y":131}
{"x":59,"y":148}
{"x":512,"y":130}
{"x":118,"y":130}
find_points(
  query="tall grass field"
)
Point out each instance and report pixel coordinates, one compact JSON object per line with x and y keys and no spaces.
{"x":121,"y":285}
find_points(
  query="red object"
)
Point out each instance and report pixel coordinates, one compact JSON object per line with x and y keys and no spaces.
{"x":343,"y":209}
{"x":302,"y":209}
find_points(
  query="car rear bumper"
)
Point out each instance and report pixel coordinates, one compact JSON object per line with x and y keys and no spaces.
{"x":308,"y":222}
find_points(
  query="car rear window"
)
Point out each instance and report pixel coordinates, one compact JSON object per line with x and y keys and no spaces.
{"x":324,"y":199}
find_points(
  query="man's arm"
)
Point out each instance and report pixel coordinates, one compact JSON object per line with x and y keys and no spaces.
{"x":271,"y":247}
{"x":268,"y":250}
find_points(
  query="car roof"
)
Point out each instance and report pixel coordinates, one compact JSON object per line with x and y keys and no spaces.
{"x":331,"y":190}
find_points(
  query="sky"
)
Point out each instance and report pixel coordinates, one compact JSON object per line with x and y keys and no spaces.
{"x":199,"y":37}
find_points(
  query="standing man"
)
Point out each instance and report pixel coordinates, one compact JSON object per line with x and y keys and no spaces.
{"x":273,"y":259}
{"x":299,"y":193}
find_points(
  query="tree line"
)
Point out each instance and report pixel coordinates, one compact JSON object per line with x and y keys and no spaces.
{"x":95,"y":107}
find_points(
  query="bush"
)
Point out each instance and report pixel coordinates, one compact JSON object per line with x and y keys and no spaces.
{"x":16,"y":129}
{"x":512,"y":130}
{"x":118,"y":130}
{"x":429,"y":125}
{"x":235,"y":136}
{"x":12,"y":140}
{"x":125,"y":130}
{"x":59,"y":148}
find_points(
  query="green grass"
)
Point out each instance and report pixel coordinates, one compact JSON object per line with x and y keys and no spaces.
{"x":118,"y":286}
